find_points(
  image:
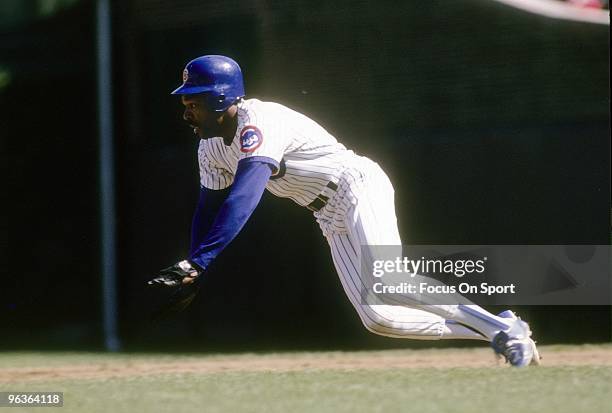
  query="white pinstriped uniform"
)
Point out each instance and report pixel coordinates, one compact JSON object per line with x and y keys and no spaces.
{"x":360,"y":211}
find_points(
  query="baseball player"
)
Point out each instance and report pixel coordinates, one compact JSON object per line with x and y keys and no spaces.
{"x":250,"y":145}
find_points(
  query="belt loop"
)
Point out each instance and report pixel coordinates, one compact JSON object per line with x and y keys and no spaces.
{"x":321,"y":200}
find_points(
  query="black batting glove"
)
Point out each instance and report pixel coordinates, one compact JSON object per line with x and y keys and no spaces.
{"x":182,"y":273}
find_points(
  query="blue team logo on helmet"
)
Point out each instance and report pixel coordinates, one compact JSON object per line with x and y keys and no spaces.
{"x":250,"y":139}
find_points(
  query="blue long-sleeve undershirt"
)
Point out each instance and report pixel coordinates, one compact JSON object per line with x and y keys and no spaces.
{"x":208,"y":204}
{"x":250,"y":181}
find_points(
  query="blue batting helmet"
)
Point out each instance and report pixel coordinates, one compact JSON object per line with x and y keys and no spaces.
{"x":219,"y":78}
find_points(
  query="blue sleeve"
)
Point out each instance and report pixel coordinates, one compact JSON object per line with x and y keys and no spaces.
{"x":203,"y":216}
{"x":250,"y":181}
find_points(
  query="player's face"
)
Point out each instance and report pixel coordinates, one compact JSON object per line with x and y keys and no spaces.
{"x":205,"y":124}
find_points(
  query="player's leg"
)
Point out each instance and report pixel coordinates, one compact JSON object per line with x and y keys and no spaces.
{"x":373,"y":222}
{"x":380,"y":319}
{"x":389,"y":320}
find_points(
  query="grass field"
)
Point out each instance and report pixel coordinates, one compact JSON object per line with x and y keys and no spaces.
{"x":572,"y":379}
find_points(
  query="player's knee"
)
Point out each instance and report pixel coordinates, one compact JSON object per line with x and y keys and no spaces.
{"x":377,"y":324}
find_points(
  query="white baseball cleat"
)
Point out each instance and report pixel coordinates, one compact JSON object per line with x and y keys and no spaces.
{"x":516,"y":344}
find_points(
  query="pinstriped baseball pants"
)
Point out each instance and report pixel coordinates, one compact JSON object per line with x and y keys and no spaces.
{"x":362,"y":213}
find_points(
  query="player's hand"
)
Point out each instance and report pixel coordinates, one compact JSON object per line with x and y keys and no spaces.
{"x":180,"y":274}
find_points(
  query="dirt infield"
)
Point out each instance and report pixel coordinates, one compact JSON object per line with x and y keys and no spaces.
{"x":393,"y":359}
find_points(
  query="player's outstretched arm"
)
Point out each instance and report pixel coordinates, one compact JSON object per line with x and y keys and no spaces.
{"x":185,"y":272}
{"x":209,"y":201}
{"x":249,"y":184}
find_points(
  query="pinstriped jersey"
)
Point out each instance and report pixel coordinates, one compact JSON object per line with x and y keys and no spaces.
{"x":305,"y":155}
